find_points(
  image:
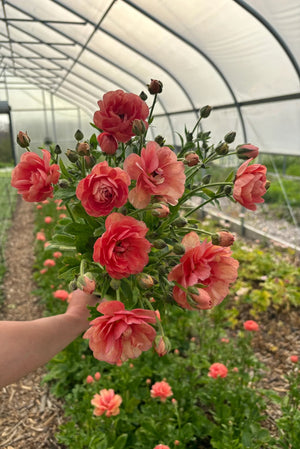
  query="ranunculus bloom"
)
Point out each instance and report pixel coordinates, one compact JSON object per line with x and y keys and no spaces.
{"x":106,"y":402}
{"x":43,"y":270}
{"x":103,"y":189}
{"x":97,"y":376}
{"x":162,"y":446}
{"x":250,"y":184}
{"x":117,"y":112}
{"x":34,"y":176}
{"x":41,"y":236}
{"x":122,"y":249}
{"x":48,"y":220}
{"x":207,"y":264}
{"x":158,"y":172}
{"x":61,"y":294}
{"x":161,"y":390}
{"x":217,"y":370}
{"x":57,"y":254}
{"x":108,"y":143}
{"x":294,"y":358}
{"x":251,"y":325}
{"x":49,"y":263}
{"x":120,"y":334}
{"x":89,"y":379}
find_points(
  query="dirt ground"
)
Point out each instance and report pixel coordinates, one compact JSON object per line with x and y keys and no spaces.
{"x":30,"y":416}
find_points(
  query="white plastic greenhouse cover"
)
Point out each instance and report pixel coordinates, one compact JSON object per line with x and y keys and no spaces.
{"x":240,"y":57}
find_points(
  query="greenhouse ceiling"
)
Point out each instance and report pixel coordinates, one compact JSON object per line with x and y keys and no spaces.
{"x":240,"y":57}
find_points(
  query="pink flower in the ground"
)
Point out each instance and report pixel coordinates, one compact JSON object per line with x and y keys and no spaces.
{"x":97,"y":376}
{"x":235,"y":369}
{"x":45,"y":201}
{"x":294,"y":358}
{"x":161,"y":446}
{"x":225,"y":340}
{"x":43,"y":271}
{"x":161,"y":390}
{"x":120,"y":334}
{"x":39,"y":206}
{"x":41,"y":236}
{"x":108,"y":143}
{"x":117,"y":112}
{"x":89,"y":379}
{"x":61,"y":294}
{"x":176,"y":443}
{"x":206,"y":264}
{"x":62,"y":216}
{"x":106,"y":402}
{"x":217,"y":370}
{"x":122,"y":249}
{"x":251,"y":325}
{"x":34,"y":176}
{"x":48,"y":220}
{"x":57,"y":254}
{"x":103,"y":189}
{"x":49,"y":263}
{"x":157,"y":172}
{"x":46,"y":244}
{"x":249,"y":184}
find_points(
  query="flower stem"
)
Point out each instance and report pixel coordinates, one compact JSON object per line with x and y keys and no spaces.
{"x":203,"y":204}
{"x":70,"y":212}
{"x":157,"y":319}
{"x":206,"y":186}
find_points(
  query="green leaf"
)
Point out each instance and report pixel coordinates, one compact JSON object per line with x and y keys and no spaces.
{"x":121,"y":441}
{"x":63,"y":169}
{"x":230,"y":177}
{"x":94,"y":141}
{"x":76,"y":228}
{"x":64,"y":239}
{"x":66,"y":194}
{"x":209,"y":193}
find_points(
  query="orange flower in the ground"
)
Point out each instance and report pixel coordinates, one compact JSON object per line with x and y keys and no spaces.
{"x":117,"y":112}
{"x":106,"y":402}
{"x":250,"y":184}
{"x":217,"y":370}
{"x":161,"y":390}
{"x":34,"y":176}
{"x":61,"y":294}
{"x":157,"y":172}
{"x":294,"y":358}
{"x":89,"y":379}
{"x":251,"y":325}
{"x":162,"y":446}
{"x":207,"y":264}
{"x":41,"y":236}
{"x":120,"y":334}
{"x":103,"y":189}
{"x":57,"y":254}
{"x":49,"y":263}
{"x":123,"y":248}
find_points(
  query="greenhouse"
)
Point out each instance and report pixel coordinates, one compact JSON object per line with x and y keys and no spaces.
{"x":150,"y":170}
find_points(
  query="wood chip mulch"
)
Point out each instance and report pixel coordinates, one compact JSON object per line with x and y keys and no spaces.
{"x":29,"y":415}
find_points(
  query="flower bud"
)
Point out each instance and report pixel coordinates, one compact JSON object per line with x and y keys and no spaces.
{"x":155,"y":87}
{"x":73,"y":285}
{"x":23,"y":139}
{"x":145,"y":280}
{"x":180,"y":222}
{"x":178,"y":249}
{"x":83,"y":148}
{"x":63,"y":183}
{"x":57,"y":149}
{"x":143,"y":96}
{"x":160,"y":210}
{"x":189,"y":136}
{"x":247,"y":151}
{"x":160,"y":140}
{"x":159,"y":244}
{"x":72,"y":155}
{"x":89,"y":161}
{"x":108,"y":143}
{"x":78,"y":135}
{"x":191,"y":159}
{"x":206,"y":179}
{"x":229,"y":137}
{"x":193,"y":290}
{"x":115,"y":284}
{"x":138,"y":127}
{"x":205,"y":111}
{"x":87,"y":283}
{"x":267,"y":184}
{"x":222,"y":148}
{"x":222,"y":238}
{"x":162,"y":345}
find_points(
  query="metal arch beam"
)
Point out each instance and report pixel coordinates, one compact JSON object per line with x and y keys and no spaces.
{"x":273,"y":31}
{"x":91,"y":51}
{"x":143,"y":55}
{"x":201,"y":52}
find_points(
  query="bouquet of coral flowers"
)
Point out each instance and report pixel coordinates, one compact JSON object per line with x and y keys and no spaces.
{"x":131,"y":235}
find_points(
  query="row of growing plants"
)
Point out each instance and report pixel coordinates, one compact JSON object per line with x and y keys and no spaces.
{"x":203,"y":393}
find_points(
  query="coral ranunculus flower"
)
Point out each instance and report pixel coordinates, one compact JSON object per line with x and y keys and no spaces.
{"x":158,"y":172}
{"x":103,"y":189}
{"x":207,"y":264}
{"x":250,"y":184}
{"x":161,"y":390}
{"x":122,"y":249}
{"x":251,"y":325}
{"x":117,"y":112}
{"x":106,"y":402}
{"x":162,"y":446}
{"x":217,"y":370}
{"x":61,"y":294}
{"x":120,"y":334}
{"x":34,"y":176}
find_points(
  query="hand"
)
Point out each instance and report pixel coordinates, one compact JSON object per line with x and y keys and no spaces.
{"x":77,"y":307}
